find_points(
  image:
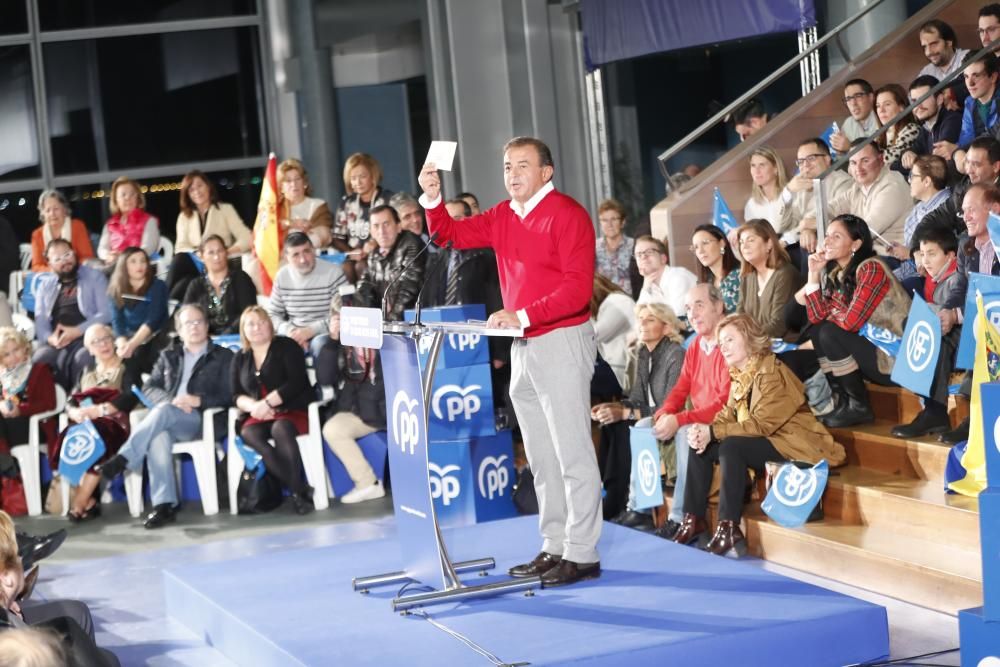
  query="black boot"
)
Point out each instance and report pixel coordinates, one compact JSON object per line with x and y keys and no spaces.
{"x":932,"y":419}
{"x":854,"y":407}
{"x":956,"y":435}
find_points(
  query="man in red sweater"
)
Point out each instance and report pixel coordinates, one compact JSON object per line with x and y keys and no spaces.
{"x":544,"y":242}
{"x":704,"y":379}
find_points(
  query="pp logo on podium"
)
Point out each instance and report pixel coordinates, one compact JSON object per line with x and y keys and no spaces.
{"x":463,"y":341}
{"x":648,"y":472}
{"x":493,"y":476}
{"x":78,"y":448}
{"x":458,"y":402}
{"x":443,"y":484}
{"x":794,"y":487}
{"x":920,"y":346}
{"x":405,"y":423}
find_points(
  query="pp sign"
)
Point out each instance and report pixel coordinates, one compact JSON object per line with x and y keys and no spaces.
{"x":921,"y":346}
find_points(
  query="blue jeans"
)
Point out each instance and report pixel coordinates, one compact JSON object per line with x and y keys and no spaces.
{"x":153,"y":441}
{"x":682,"y":449}
{"x":316,"y":344}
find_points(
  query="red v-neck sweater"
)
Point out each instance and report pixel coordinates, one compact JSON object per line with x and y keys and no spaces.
{"x":545,"y":262}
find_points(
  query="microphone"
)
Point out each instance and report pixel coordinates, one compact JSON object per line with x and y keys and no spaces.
{"x":427,"y":279}
{"x":402,"y":270}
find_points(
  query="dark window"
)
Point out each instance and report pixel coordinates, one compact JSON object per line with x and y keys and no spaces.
{"x":69,"y":14}
{"x":20,"y":209}
{"x":18,"y":133}
{"x":124,"y":102}
{"x":13,"y":17}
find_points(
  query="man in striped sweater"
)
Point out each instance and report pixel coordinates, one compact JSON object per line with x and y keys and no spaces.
{"x":303,"y":289}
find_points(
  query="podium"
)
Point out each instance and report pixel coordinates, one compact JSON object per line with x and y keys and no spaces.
{"x":408,"y":396}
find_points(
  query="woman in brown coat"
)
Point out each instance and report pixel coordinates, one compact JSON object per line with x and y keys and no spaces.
{"x":765,"y":419}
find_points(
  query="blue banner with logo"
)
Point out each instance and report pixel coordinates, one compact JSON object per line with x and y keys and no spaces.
{"x":794,"y":493}
{"x":407,"y":435}
{"x":990,"y":287}
{"x":472,"y":480}
{"x":228,"y":341}
{"x":493,"y":465}
{"x":252,"y":460}
{"x":881,"y":338}
{"x":646,"y":487}
{"x":778,"y":346}
{"x":82,"y":446}
{"x":722,"y":217}
{"x":920,"y":349}
{"x":457,"y":349}
{"x":989,"y":502}
{"x":450,"y":475}
{"x":462,"y":403}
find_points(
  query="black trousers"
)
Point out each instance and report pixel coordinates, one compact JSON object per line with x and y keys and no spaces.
{"x":615,"y":461}
{"x":945,"y":364}
{"x":734,"y":455}
{"x":283,"y":459}
{"x":836,"y":344}
{"x":801,"y":362}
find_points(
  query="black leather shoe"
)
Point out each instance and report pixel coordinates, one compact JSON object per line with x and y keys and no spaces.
{"x":542,"y":563}
{"x":854,"y":406}
{"x":667,"y":530}
{"x":32,"y":549}
{"x":636,"y":520}
{"x":113,"y":467}
{"x":302,"y":502}
{"x":161,"y":516}
{"x":928,"y":421}
{"x":956,"y":435}
{"x":568,"y":572}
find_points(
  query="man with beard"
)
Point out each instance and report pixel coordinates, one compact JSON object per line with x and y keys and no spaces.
{"x":67,"y":301}
{"x":939,"y":124}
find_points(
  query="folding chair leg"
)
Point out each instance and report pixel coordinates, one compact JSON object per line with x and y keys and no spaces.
{"x":312,"y":460}
{"x":133,"y":492}
{"x":208,"y":488}
{"x":30,"y":476}
{"x":64,"y":490}
{"x":234,"y":468}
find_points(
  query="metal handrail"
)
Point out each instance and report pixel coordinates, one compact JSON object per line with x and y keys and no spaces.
{"x":742,"y":99}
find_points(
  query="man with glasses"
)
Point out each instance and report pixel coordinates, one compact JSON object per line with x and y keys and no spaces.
{"x":982,"y":166}
{"x":190,"y":376}
{"x":798,"y":203}
{"x":662,"y":283}
{"x":981,"y":115}
{"x":859,"y":97}
{"x":67,"y":301}
{"x":929,"y":186}
{"x":939,"y":124}
{"x":989,"y":24}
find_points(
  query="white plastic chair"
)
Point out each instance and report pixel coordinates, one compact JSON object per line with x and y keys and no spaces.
{"x":24,"y":250}
{"x":310,"y":448}
{"x":166,"y":251}
{"x":25,"y":325}
{"x":14,"y":287}
{"x":28,"y":455}
{"x":202,"y":454}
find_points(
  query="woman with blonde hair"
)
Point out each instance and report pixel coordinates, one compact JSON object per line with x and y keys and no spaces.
{"x":129,"y":226}
{"x":362,"y":183}
{"x":768,"y":174}
{"x":765,"y":419}
{"x":298,"y":210}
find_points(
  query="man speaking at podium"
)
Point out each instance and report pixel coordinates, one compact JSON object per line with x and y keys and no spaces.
{"x":544,"y":243}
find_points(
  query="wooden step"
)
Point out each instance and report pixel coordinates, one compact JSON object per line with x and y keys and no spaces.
{"x":901,"y":406}
{"x":871,"y":446}
{"x":902,"y":506}
{"x":919,"y":571}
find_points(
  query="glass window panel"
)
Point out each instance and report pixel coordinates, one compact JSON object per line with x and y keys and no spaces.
{"x":18,"y":133}
{"x":124,"y":102}
{"x":13,"y":17}
{"x":70,"y":14}
{"x":21,"y":211}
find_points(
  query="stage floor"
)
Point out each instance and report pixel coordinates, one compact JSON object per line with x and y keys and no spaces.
{"x":655,"y":600}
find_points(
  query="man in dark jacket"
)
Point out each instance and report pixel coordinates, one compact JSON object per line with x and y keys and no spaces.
{"x":391,"y":262}
{"x":982,"y":165}
{"x":189,"y":377}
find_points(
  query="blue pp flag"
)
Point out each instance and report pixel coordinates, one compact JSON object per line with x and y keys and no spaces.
{"x":82,"y":446}
{"x":794,"y":493}
{"x":251,"y":459}
{"x":722,"y":217}
{"x":228,"y":341}
{"x":993,"y":227}
{"x":989,"y":286}
{"x":827,"y":133}
{"x":881,"y":338}
{"x":196,"y":260}
{"x":645,"y":468}
{"x":778,"y":346}
{"x":921,"y":347}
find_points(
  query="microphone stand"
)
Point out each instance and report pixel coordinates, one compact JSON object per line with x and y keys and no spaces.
{"x":427,"y":279}
{"x":402,"y":270}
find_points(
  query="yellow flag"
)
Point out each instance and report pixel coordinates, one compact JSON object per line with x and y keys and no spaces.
{"x":985,"y":369}
{"x":266,"y":230}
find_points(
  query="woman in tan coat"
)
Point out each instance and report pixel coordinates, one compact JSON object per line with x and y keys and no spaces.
{"x":766,"y":419}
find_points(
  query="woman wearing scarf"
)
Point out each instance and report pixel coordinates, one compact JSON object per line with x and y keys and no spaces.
{"x":765,"y":419}
{"x":129,"y":226}
{"x":53,"y":210}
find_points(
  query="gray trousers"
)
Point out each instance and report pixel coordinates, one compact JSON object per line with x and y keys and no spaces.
{"x":550,"y":392}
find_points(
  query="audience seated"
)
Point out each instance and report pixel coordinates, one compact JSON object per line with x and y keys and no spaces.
{"x":703,"y":385}
{"x":53,"y":209}
{"x":749,"y":118}
{"x":202,"y":215}
{"x":394,"y":263}
{"x":411,"y":216}
{"x":989,"y":24}
{"x":457,"y":276}
{"x":222,"y":291}
{"x":938,"y":122}
{"x":138,"y":309}
{"x":303,"y":288}
{"x":940,"y":46}
{"x":471,"y":200}
{"x":614,"y":249}
{"x":980,"y":114}
{"x":660,"y":358}
{"x":850,"y":286}
{"x":613,"y":313}
{"x":67,"y":302}
{"x":901,"y":137}
{"x":717,"y":264}
{"x":272,"y":391}
{"x":351,"y":232}
{"x":859,"y":97}
{"x":661,"y":282}
{"x":768,"y":280}
{"x":929,"y":187}
{"x":982,"y":165}
{"x":103,"y":397}
{"x":768,"y":174}
{"x":359,"y":409}
{"x":190,"y":376}
{"x":765,"y":419}
{"x":129,"y":226}
{"x":298,"y":210}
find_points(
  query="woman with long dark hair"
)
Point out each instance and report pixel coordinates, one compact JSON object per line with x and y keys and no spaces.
{"x":717,"y":264}
{"x":889,"y":101}
{"x":224,"y":292}
{"x":138,"y":309}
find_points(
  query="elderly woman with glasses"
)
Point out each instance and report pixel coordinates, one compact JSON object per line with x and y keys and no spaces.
{"x":57,"y":223}
{"x":614,"y":258}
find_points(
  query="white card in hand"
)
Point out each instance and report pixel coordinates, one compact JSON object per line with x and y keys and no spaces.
{"x":442,"y":154}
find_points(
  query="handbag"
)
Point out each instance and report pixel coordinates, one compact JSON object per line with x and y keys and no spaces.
{"x":257,"y":492}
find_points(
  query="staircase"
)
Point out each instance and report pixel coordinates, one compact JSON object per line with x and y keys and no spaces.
{"x":889,"y":526}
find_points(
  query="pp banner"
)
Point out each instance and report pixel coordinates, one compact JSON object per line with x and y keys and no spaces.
{"x":82,"y":446}
{"x":722,"y":217}
{"x":457,"y":349}
{"x":462,"y":403}
{"x":645,"y":468}
{"x":915,"y":366}
{"x":990,"y":287}
{"x":990,"y":397}
{"x":794,"y":493}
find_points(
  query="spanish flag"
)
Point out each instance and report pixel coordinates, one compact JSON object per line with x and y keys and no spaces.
{"x":266,"y":229}
{"x":985,"y":369}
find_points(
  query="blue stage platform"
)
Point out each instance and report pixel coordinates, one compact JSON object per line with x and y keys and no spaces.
{"x":654,"y":601}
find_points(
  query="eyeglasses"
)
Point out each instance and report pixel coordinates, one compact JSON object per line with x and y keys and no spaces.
{"x":103,"y":339}
{"x":988,"y":30}
{"x":191,"y":324}
{"x":643,"y":254}
{"x":914,"y":175}
{"x":809,"y":159}
{"x":855,"y":97}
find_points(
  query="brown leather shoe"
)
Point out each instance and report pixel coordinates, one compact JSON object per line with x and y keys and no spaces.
{"x":693,"y":530}
{"x":542,"y":563}
{"x":728,"y":540}
{"x":568,"y":572}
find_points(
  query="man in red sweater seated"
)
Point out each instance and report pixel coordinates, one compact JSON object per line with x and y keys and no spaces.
{"x":704,"y":379}
{"x":544,"y":243}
